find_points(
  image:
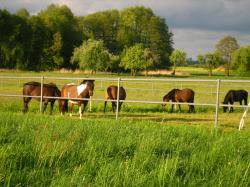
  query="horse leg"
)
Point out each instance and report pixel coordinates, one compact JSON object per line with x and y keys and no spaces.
{"x":85,"y":103}
{"x":51,"y":106}
{"x":172,"y":107}
{"x":80,"y":109}
{"x":70,"y":109}
{"x":26,"y":101}
{"x":179,"y":107}
{"x":231,"y":108}
{"x":44,"y":106}
{"x":245,"y":101}
{"x":105,"y":104}
{"x":113,"y":106}
{"x":120,"y":105}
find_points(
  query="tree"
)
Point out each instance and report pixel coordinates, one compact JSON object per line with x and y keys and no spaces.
{"x":23,"y":13}
{"x":91,"y":55}
{"x":209,"y":61}
{"x":177,"y":58}
{"x":140,"y":25}
{"x":136,"y":58}
{"x":225,"y":47}
{"x":241,"y":60}
{"x":102,"y":26}
{"x":61,"y":19}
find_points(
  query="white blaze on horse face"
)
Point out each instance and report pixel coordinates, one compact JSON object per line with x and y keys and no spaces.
{"x":81,"y":88}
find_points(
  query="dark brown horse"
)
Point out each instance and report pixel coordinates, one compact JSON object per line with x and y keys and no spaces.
{"x":235,"y":95}
{"x":34,"y":89}
{"x":84,"y":90}
{"x":176,"y":95}
{"x":111,"y":94}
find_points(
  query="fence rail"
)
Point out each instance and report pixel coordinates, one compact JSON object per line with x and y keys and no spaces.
{"x":217,"y":82}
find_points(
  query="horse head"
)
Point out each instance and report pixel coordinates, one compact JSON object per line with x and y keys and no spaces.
{"x":169,"y":96}
{"x":90,"y":86}
{"x":165,"y":99}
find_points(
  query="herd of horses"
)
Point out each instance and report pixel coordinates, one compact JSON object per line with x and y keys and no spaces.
{"x":72,"y":94}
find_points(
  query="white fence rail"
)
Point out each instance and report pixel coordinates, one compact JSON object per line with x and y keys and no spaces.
{"x":216,"y":104}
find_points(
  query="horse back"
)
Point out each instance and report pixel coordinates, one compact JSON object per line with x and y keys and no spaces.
{"x":112,"y":92}
{"x":185,"y":95}
{"x":69,"y":90}
{"x":34,"y":89}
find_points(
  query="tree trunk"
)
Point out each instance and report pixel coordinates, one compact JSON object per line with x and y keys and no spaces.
{"x":227,"y":69}
{"x":210,"y":72}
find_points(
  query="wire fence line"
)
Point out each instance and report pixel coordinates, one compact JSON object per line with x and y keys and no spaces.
{"x":217,"y":86}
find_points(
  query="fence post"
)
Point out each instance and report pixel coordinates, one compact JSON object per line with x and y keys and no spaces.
{"x":217,"y":104}
{"x":118,"y":98}
{"x":41,"y":100}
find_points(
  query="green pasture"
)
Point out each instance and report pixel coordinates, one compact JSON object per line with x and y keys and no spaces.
{"x":146,"y":146}
{"x":205,"y":93}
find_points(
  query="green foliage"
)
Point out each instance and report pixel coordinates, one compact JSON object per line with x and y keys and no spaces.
{"x":60,"y":19}
{"x":225,"y":47}
{"x":91,"y":55}
{"x":209,"y":61}
{"x":140,"y":25}
{"x":136,"y":58}
{"x":102,"y":26}
{"x":47,"y":41}
{"x":178,"y":58}
{"x":241,"y":60}
{"x":23,"y":13}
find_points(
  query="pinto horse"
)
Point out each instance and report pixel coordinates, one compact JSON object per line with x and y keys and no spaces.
{"x":72,"y":91}
{"x":111,"y":94}
{"x":176,"y":95}
{"x":235,"y":95}
{"x":34,"y":89}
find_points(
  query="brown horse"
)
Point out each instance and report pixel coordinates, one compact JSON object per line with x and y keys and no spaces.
{"x":111,"y":93}
{"x":72,"y":91}
{"x":176,"y":95}
{"x":34,"y":89}
{"x":235,"y":95}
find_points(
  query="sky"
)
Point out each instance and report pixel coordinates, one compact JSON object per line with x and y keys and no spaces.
{"x":197,"y":25}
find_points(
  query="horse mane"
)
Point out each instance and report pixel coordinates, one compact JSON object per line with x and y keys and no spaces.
{"x":226,"y":98}
{"x":33,"y":83}
{"x":84,"y":81}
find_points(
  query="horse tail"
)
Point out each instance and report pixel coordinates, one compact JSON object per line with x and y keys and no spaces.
{"x":109,"y":92}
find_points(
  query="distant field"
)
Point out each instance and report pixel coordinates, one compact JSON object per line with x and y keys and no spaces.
{"x":147,"y":146}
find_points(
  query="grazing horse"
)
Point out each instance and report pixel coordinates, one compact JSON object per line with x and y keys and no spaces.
{"x":176,"y":95}
{"x":34,"y":89}
{"x":72,"y":91}
{"x":111,"y":93}
{"x":235,"y":95}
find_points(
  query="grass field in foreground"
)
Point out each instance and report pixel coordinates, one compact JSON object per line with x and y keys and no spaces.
{"x":43,"y":150}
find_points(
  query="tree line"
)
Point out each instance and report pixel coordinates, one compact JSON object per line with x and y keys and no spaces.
{"x":131,"y":39}
{"x":229,"y":54}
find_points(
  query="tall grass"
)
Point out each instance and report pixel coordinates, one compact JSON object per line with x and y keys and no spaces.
{"x":58,"y":151}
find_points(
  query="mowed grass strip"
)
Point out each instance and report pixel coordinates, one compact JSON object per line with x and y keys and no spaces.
{"x":43,"y":150}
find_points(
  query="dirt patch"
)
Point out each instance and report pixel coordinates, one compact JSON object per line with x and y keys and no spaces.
{"x":166,"y":72}
{"x":220,"y":69}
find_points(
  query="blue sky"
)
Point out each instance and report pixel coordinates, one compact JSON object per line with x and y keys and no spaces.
{"x":197,"y":25}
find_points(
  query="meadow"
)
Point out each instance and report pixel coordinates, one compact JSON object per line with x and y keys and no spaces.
{"x":146,"y":146}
